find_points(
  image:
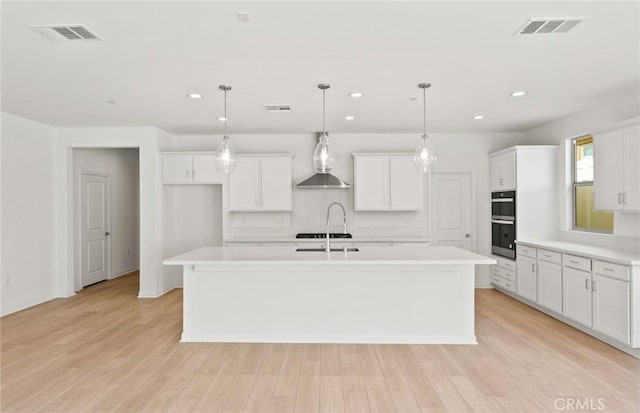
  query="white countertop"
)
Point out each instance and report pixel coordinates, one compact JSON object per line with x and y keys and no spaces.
{"x":366,"y":255}
{"x":606,"y":254}
{"x":359,"y":238}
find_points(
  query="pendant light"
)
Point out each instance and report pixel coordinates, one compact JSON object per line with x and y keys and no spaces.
{"x":322,"y":159}
{"x":225,"y":156}
{"x":424,"y":155}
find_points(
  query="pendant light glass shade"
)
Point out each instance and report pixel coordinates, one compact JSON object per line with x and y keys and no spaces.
{"x":425,"y":154}
{"x":225,"y":156}
{"x":322,"y":158}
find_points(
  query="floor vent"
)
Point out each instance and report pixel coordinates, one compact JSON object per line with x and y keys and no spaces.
{"x":547,"y":25}
{"x":278,"y":108}
{"x":65,"y":32}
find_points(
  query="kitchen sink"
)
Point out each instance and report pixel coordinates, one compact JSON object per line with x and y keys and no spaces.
{"x":351,"y":249}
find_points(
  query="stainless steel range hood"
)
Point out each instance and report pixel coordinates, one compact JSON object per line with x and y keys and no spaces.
{"x":323,"y":180}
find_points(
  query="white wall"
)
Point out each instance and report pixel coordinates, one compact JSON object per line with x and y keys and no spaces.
{"x":28,"y":213}
{"x":614,"y":109}
{"x":456,"y":152}
{"x":121,"y":165}
{"x":143,"y":138}
{"x":192,"y":218}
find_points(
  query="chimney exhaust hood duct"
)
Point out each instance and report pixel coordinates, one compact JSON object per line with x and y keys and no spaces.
{"x":323,"y":180}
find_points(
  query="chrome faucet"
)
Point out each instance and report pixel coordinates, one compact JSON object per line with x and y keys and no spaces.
{"x":344,"y":223}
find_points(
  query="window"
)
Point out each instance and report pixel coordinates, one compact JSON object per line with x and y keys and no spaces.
{"x":585,"y":218}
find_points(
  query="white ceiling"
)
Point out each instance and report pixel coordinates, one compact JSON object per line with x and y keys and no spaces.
{"x":154,"y":53}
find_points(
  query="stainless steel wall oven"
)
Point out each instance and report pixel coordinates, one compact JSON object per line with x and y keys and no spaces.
{"x":503,"y":224}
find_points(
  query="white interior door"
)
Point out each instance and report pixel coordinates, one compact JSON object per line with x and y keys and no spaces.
{"x":451,"y":209}
{"x":95,"y":228}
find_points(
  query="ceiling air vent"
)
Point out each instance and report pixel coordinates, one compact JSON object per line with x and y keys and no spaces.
{"x":65,"y":32}
{"x":278,"y":108}
{"x":546,"y":25}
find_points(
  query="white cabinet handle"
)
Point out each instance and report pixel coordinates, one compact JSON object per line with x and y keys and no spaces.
{"x":624,"y":197}
{"x":574,"y":262}
{"x":193,"y":174}
{"x":586,"y":283}
{"x":533,"y":268}
{"x":501,"y":180}
{"x":619,"y":197}
{"x":608,"y":269}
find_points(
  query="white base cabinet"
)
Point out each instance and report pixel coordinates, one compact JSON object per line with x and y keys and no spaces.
{"x":527,"y":278}
{"x":576,"y":300}
{"x":599,"y":297}
{"x":550,"y":285}
{"x":611,"y":307}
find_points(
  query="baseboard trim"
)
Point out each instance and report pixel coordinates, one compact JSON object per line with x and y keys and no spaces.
{"x":25,"y":304}
{"x":147,"y":294}
{"x":133,"y":269}
{"x":196,"y":338}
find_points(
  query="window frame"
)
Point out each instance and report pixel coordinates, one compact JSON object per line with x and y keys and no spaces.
{"x":575,"y":185}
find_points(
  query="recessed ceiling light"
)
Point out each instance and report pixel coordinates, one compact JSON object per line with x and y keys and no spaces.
{"x":195,"y":95}
{"x":349,"y":117}
{"x":355,"y":94}
{"x":222,"y":119}
{"x":111,"y":102}
{"x":478,"y":117}
{"x":518,"y":93}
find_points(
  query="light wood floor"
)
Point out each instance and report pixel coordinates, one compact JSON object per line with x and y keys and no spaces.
{"x":106,"y":350}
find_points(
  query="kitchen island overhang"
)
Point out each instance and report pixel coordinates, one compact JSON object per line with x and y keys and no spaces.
{"x":421,"y":295}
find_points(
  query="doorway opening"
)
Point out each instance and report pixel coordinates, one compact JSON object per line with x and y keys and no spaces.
{"x":106,"y":212}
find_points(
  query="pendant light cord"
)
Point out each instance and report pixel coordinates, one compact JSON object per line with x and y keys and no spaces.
{"x":424,"y":108}
{"x":324,"y":131}
{"x":226,"y":119}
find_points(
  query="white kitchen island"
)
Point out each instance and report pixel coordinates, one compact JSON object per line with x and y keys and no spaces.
{"x":376,"y":295}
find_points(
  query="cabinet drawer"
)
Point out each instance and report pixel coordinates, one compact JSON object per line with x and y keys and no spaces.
{"x":526,"y":251}
{"x":503,"y":283}
{"x":504,"y":273}
{"x":579,"y":263}
{"x":607,"y":269}
{"x":506,"y":263}
{"x":550,"y":256}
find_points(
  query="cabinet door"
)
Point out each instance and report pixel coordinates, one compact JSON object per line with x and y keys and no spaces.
{"x":550,"y":286}
{"x":576,"y":295}
{"x":371,"y":183}
{"x":404,"y":184}
{"x":176,"y":169}
{"x":608,"y":154}
{"x":527,"y":279}
{"x":275,"y":183}
{"x":204,"y":170}
{"x":611,"y":307}
{"x":632,"y":169}
{"x":509,"y":171}
{"x":244,"y":185}
{"x":495,"y":171}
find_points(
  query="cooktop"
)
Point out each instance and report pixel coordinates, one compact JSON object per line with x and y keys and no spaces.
{"x":322,"y":235}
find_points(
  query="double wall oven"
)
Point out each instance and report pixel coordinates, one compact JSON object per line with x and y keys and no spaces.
{"x":503,"y":224}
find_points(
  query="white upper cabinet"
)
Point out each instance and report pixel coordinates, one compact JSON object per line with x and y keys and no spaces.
{"x":181,"y":168}
{"x":261,"y":183}
{"x":503,"y":171}
{"x":177,"y":169}
{"x":386,"y":182}
{"x":616,"y":173}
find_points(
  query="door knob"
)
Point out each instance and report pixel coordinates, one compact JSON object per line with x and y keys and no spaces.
{"x":107,"y":234}
{"x":467,"y":235}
